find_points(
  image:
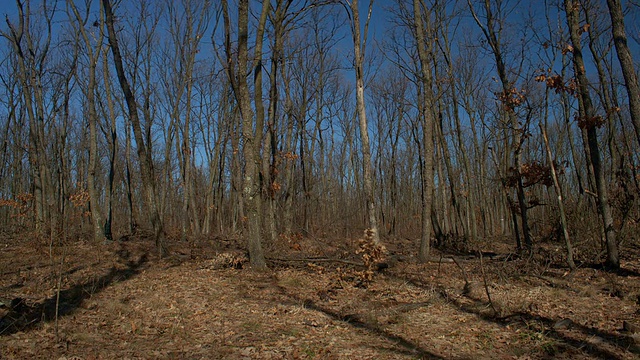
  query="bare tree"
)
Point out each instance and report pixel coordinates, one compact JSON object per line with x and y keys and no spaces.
{"x":427,"y":119}
{"x":389,"y":93}
{"x":187,"y":24}
{"x":142,"y":146}
{"x":359,"y":47}
{"x":589,"y":121}
{"x":93,"y":50}
{"x":109,"y":114}
{"x":510,"y":97}
{"x":467,"y":190}
{"x":252,"y":124}
{"x":626,"y":62}
{"x":12,"y":172}
{"x":556,"y":184}
{"x":32,"y":56}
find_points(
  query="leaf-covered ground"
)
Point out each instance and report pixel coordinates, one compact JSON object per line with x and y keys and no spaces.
{"x":118,"y":301}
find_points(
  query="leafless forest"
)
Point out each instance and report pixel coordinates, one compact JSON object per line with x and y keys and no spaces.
{"x":475,"y":147}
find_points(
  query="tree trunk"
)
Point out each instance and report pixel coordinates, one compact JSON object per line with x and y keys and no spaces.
{"x":590,"y":121}
{"x":289,"y":156}
{"x":626,"y":62}
{"x":427,"y":120}
{"x":517,"y":130}
{"x":359,"y":45}
{"x":112,"y":137}
{"x":31,"y":64}
{"x":556,"y":184}
{"x":90,"y":93}
{"x":251,"y":138}
{"x":144,"y":155}
{"x":269,"y":161}
{"x":238,"y":213}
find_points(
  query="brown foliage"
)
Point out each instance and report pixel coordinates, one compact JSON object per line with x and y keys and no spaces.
{"x":589,"y":122}
{"x":21,"y":204}
{"x":511,"y":98}
{"x":532,"y":173}
{"x":557,"y":83}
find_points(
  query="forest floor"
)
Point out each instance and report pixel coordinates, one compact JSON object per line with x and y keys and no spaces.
{"x":119,"y":301}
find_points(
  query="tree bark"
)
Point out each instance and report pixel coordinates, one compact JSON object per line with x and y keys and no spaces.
{"x":626,"y":62}
{"x":144,"y":155}
{"x":90,"y":93}
{"x":110,"y":115}
{"x":251,"y":138}
{"x":186,"y":30}
{"x":589,"y":121}
{"x":269,"y":161}
{"x":556,"y":184}
{"x":427,"y":120}
{"x":359,"y":45}
{"x":493,"y":39}
{"x":32,"y":57}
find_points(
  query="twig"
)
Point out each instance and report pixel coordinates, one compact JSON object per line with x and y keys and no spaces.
{"x":464,"y":273}
{"x":486,"y":286}
{"x":58,"y":286}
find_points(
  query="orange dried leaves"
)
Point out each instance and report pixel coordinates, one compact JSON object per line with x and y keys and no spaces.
{"x":589,"y":122}
{"x":557,"y":83}
{"x":511,"y":98}
{"x":21,"y":203}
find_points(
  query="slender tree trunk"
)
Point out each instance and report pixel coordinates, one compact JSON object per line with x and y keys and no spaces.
{"x":251,"y":138}
{"x":132,"y":223}
{"x":605,"y":95}
{"x":113,"y":147}
{"x":269,"y":161}
{"x":493,"y":38}
{"x":453,"y":192}
{"x":453,"y":186}
{"x":556,"y":184}
{"x":90,"y":93}
{"x":468,"y":193}
{"x":510,"y":203}
{"x":289,"y":156}
{"x":96,"y":215}
{"x":186,"y":30}
{"x":626,"y":62}
{"x":566,"y":112}
{"x":238,"y":213}
{"x":359,"y":49}
{"x":476,"y":189}
{"x":32,"y":57}
{"x":590,"y":121}
{"x":144,"y":155}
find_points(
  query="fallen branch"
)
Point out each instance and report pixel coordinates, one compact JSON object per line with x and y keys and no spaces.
{"x":355,"y":263}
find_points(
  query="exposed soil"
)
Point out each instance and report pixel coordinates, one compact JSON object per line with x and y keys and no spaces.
{"x":119,"y":301}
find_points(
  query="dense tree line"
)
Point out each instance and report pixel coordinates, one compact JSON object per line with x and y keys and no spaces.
{"x":452,"y":122}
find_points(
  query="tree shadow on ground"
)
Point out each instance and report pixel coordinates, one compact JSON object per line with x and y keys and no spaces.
{"x":624,"y":272}
{"x":23,"y":317}
{"x":403,"y":346}
{"x":546,"y":325}
{"x":408,"y":347}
